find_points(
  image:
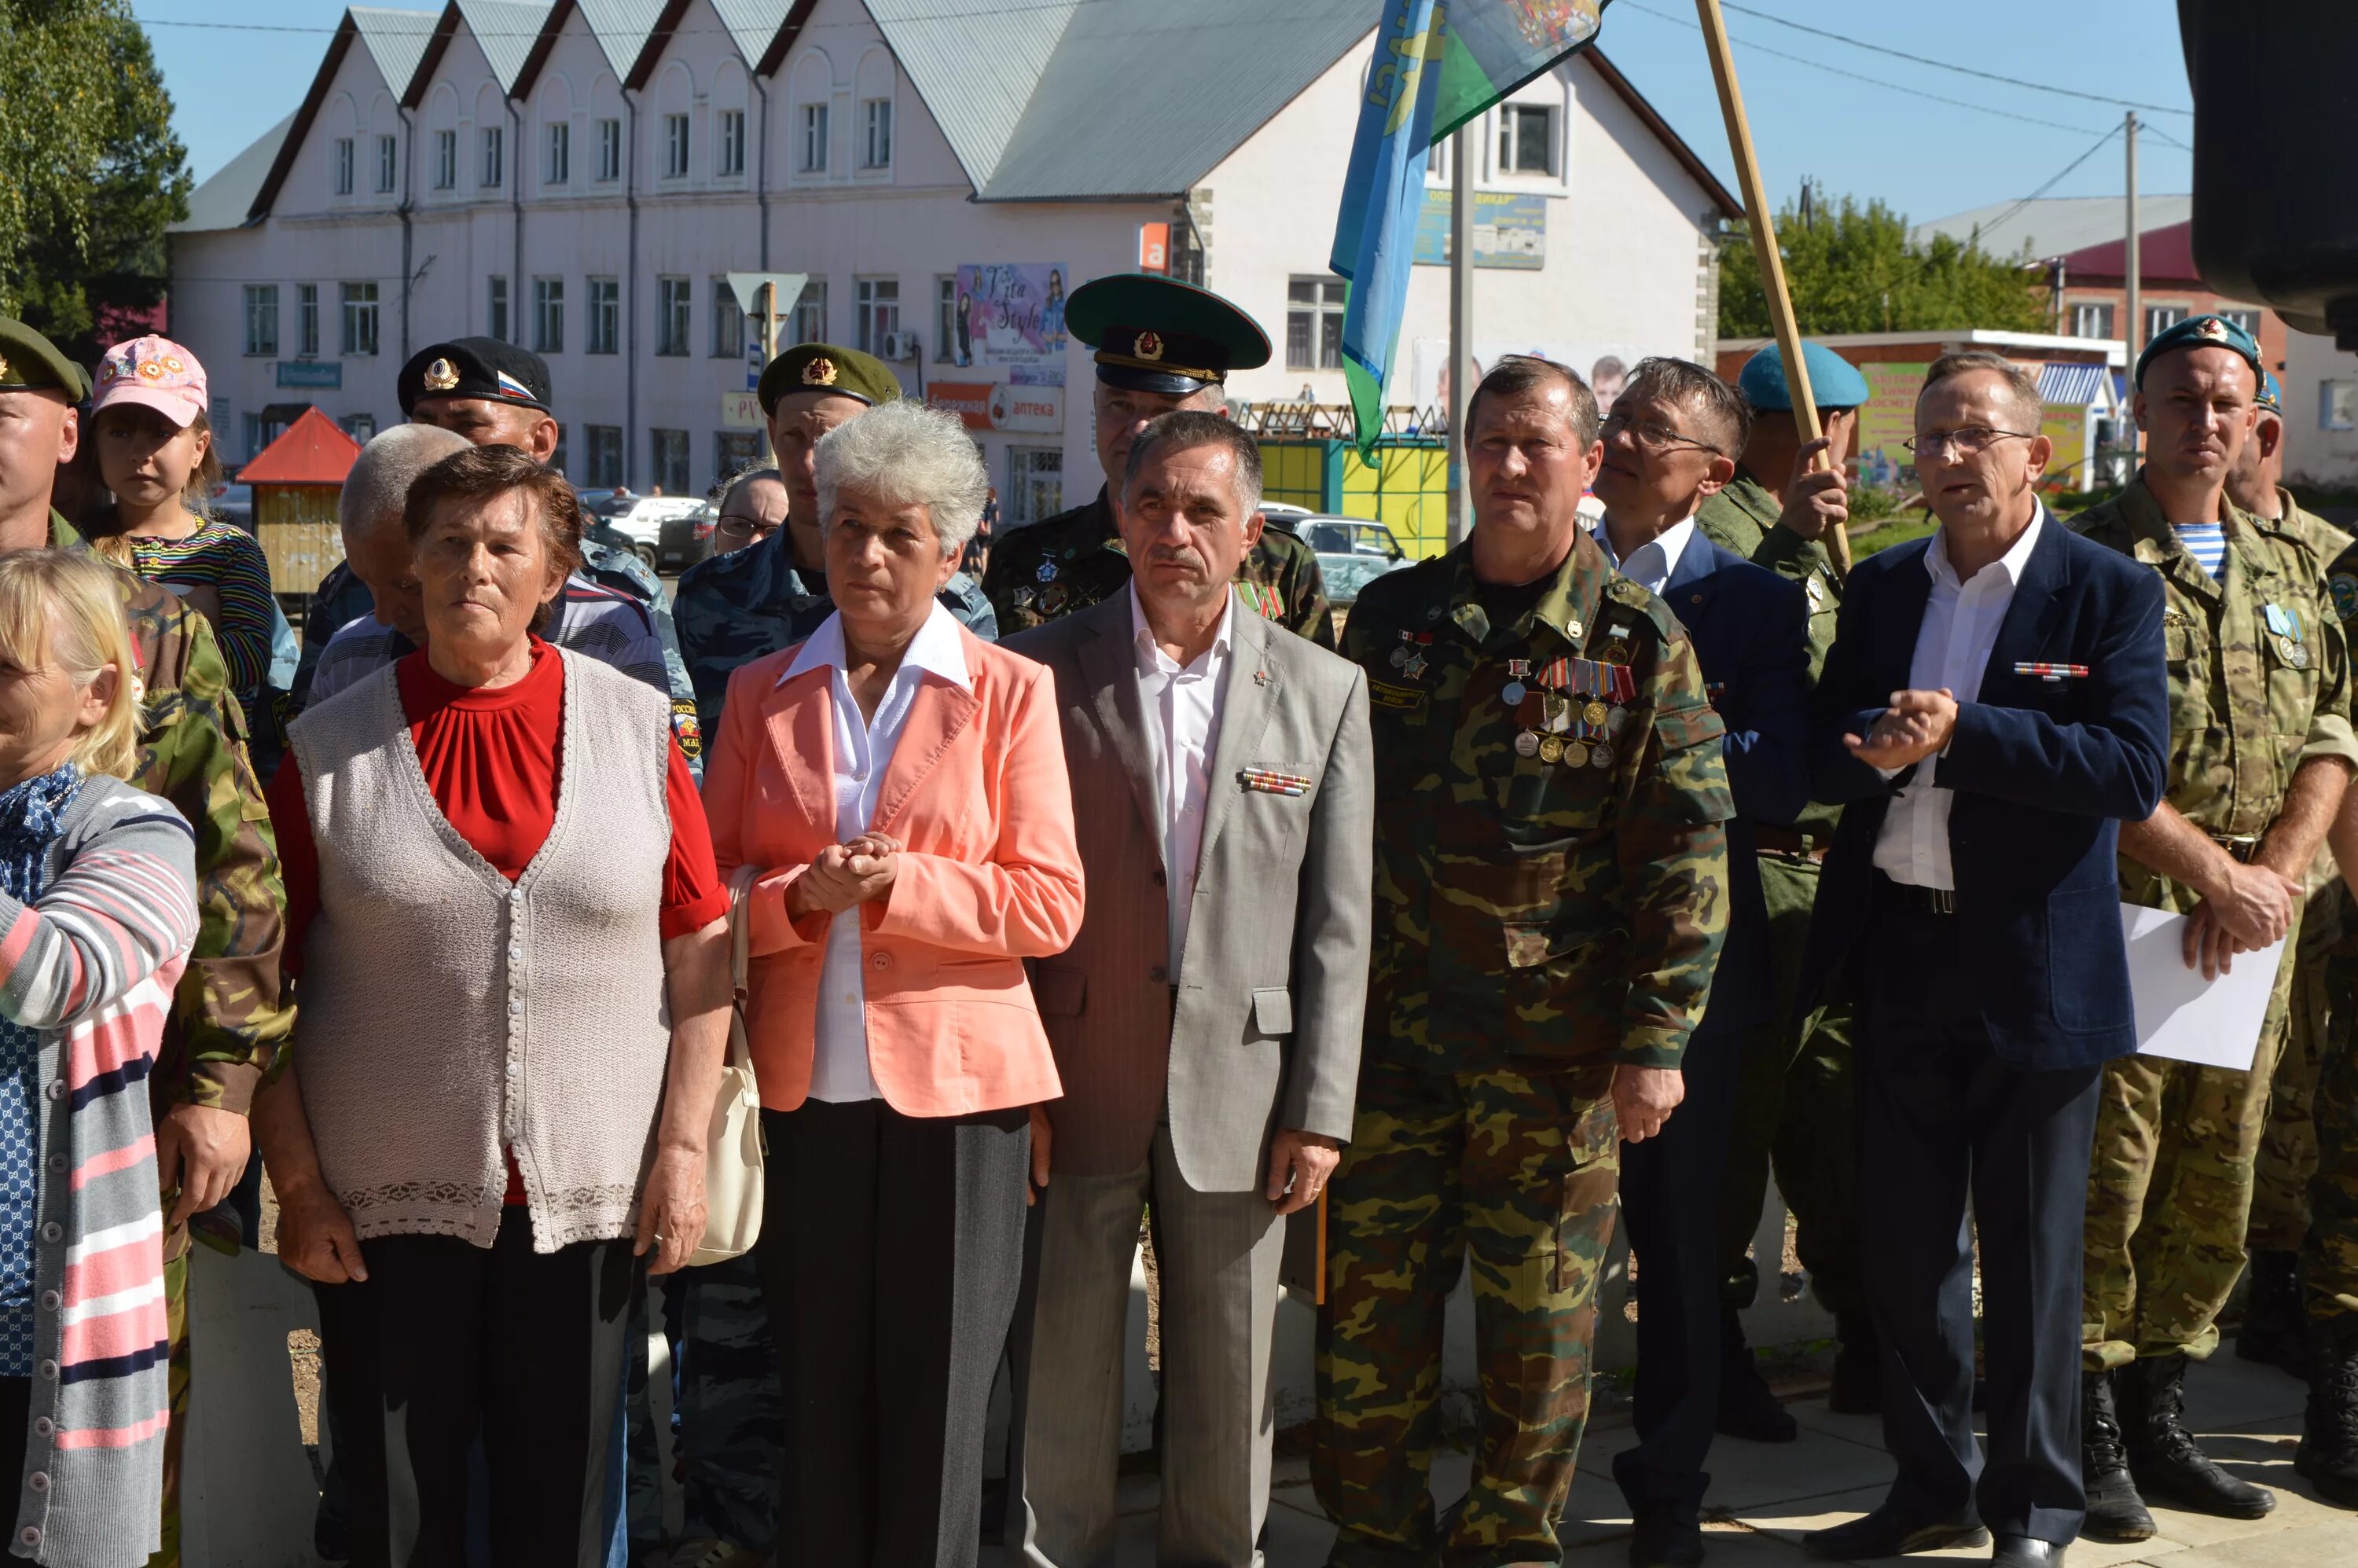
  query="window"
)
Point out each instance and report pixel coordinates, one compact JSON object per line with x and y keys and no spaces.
{"x":495,"y":170}
{"x":1527,"y":138}
{"x":359,"y":317}
{"x":2092,"y":321}
{"x":2159,"y":319}
{"x":262,"y":320}
{"x":446,"y":161}
{"x":672,"y":305}
{"x":307,"y":318}
{"x":946,"y":318}
{"x":810,"y":313}
{"x":2249,"y":321}
{"x":361,"y":427}
{"x":389,"y":164}
{"x":343,"y":166}
{"x":556,"y":457}
{"x":557,"y":168}
{"x":1035,"y":485}
{"x":880,"y":312}
{"x":548,"y":315}
{"x":254,"y":441}
{"x":1314,"y":323}
{"x":734,"y":451}
{"x":669,"y":451}
{"x":730,"y":158}
{"x":727,"y":322}
{"x":495,"y":315}
{"x":1436,"y":162}
{"x":814,"y":138}
{"x":675,"y":146}
{"x":2337,"y":404}
{"x":877,"y":150}
{"x":609,"y":150}
{"x":603,"y":335}
{"x":605,"y":455}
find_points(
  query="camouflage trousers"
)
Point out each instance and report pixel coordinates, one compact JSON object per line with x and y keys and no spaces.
{"x":1794,"y":1099}
{"x":2329,"y":1256}
{"x":1517,"y":1173}
{"x":2289,"y":1148}
{"x":730,"y":1415}
{"x":2170,"y":1196}
{"x":176,"y":1438}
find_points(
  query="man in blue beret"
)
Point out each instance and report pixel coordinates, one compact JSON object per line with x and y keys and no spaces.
{"x":1793,"y":1080}
{"x":2262,"y":748}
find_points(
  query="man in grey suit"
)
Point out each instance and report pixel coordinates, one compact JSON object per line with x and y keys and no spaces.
{"x":1206,"y":1022}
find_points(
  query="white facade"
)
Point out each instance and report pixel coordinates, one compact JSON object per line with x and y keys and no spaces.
{"x":577,"y":213}
{"x":2321,"y":412}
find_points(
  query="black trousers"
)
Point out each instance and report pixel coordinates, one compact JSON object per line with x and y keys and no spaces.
{"x":446,"y":1338}
{"x":1670,"y":1201}
{"x":891,"y":1253}
{"x":1941,"y":1122}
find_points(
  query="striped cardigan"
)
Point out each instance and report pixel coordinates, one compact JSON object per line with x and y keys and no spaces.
{"x":91,"y":964}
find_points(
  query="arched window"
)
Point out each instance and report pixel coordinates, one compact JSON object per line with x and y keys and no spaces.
{"x":810,"y":128}
{"x":872,"y":107}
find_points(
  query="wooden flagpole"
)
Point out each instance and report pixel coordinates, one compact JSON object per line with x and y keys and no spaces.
{"x":1764,"y":249}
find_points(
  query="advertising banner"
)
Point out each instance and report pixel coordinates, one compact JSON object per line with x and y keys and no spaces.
{"x":1011,"y":314}
{"x":997,"y":406}
{"x":1509,"y":229}
{"x":1605,"y":365}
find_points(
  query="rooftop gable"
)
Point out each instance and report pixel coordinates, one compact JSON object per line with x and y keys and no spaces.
{"x":225,"y":201}
{"x":504,"y":31}
{"x":392,"y":41}
{"x":622,"y":28}
{"x":313,"y":450}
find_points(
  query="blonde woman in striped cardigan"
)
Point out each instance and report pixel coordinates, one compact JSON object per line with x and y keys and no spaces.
{"x":97,"y":913}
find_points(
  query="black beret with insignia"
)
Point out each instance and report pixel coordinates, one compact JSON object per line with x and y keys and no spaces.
{"x":825,"y":367}
{"x":482,"y":368}
{"x":1158,"y":334}
{"x":30,"y":362}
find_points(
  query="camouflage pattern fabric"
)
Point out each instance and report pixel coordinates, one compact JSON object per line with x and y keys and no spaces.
{"x":2330,"y":1258}
{"x":1075,"y":559}
{"x":1743,"y":518}
{"x":2287,"y":1157}
{"x":1516,"y":1170}
{"x":2258,"y":685}
{"x":736,"y":608}
{"x":1524,"y":907}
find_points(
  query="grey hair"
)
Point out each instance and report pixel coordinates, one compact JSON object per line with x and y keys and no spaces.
{"x":728,"y":491}
{"x":379,"y":484}
{"x":1186,"y":428}
{"x":906,"y":454}
{"x":2021,"y":389}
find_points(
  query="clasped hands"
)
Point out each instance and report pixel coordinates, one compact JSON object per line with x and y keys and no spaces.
{"x":860,"y":871}
{"x":2252,"y":908}
{"x":1917,"y":725}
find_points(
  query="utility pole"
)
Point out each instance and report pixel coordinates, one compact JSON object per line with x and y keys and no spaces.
{"x":1461,"y":328}
{"x":2135,"y":333}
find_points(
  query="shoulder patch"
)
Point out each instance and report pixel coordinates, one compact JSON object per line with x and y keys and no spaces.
{"x":2343,"y":587}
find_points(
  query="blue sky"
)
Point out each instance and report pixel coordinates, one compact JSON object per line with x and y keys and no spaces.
{"x":1888,"y":135}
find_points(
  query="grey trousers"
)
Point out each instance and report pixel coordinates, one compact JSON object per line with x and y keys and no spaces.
{"x":1218,"y":1254}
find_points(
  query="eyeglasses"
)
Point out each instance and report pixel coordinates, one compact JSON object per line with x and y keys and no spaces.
{"x":736,"y":525}
{"x":1653,"y":437}
{"x":1968,"y":442}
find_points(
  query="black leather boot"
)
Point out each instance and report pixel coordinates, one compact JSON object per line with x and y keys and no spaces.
{"x":2275,"y":1331}
{"x":2328,"y":1432}
{"x":1858,"y":1367}
{"x":2163,"y":1457}
{"x":2116,"y":1512}
{"x":1747,"y":1406}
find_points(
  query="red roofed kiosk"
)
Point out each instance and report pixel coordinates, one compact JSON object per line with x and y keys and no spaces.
{"x":296,"y":480}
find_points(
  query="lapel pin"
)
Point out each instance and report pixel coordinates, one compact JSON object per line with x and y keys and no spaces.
{"x":1260,"y":677}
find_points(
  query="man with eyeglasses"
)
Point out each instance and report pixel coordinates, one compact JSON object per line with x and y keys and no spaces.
{"x":752,"y":509}
{"x":1793,"y":1076}
{"x":2262,"y":748}
{"x":1670,"y":446}
{"x":1995,"y":707}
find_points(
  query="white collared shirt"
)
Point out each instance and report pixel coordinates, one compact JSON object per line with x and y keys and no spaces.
{"x":863,"y":753}
{"x":1952,"y":649}
{"x":1182,"y":726}
{"x":1651,"y":564}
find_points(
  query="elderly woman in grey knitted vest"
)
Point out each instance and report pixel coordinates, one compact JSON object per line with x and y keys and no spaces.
{"x":508,"y":934}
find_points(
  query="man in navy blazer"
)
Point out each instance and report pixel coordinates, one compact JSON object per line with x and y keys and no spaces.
{"x":1993,"y":708}
{"x":1671,"y":444}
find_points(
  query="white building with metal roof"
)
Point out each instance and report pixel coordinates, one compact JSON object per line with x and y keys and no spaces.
{"x":581,"y":177}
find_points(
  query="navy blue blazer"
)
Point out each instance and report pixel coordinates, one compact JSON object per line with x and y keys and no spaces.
{"x":2044,"y":771}
{"x":1750,"y":632}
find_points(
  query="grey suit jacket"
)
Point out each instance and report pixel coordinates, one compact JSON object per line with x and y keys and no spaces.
{"x":1264,"y":1030}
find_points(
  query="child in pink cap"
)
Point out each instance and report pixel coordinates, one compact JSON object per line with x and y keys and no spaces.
{"x":156,"y":452}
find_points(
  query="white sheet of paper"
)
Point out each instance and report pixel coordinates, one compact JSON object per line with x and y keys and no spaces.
{"x":2215,"y":1024}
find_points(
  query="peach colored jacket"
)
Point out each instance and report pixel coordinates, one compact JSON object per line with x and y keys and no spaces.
{"x":990,"y":876}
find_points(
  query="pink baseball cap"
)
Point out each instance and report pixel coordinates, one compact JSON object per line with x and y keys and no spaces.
{"x":152,"y":371}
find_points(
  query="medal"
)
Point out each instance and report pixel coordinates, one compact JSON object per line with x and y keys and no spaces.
{"x":1047,"y":572}
{"x":1600,"y":755}
{"x":1596,"y":713}
{"x":1555,"y":713}
{"x":1414,"y":668}
{"x":1616,"y":719}
{"x":1551,"y":750}
{"x":1399,"y":655}
{"x":1574,"y":755}
{"x":2293,"y":654}
{"x":1053,"y":601}
{"x":1023,"y":599}
{"x":1816,"y":589}
{"x":1527,"y":744}
{"x":1515,"y":689}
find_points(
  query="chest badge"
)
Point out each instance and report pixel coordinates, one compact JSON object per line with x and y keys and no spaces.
{"x":1047,"y":572}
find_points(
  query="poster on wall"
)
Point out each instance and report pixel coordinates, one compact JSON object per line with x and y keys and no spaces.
{"x":1011,"y":314}
{"x":1509,"y":229}
{"x":1887,"y":420}
{"x":1605,"y":365}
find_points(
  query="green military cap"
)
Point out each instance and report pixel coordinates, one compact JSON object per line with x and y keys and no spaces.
{"x":30,"y":362}
{"x":1157,"y":334}
{"x":2202,"y":332}
{"x":824,"y":367}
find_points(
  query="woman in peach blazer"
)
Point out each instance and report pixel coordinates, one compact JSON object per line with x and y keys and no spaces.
{"x":901,"y":783}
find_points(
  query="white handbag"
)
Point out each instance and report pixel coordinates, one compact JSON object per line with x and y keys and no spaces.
{"x":734,"y":1149}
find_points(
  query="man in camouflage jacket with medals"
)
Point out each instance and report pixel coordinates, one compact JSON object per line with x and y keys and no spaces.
{"x":1551,"y":899}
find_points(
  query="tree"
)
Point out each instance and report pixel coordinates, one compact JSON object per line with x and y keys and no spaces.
{"x":90,"y":171}
{"x":1852,"y":269}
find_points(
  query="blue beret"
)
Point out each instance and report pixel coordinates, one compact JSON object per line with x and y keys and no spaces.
{"x":2201,"y":332}
{"x":2271,"y":392}
{"x":1833,"y":382}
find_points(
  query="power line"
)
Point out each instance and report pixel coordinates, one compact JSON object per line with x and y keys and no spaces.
{"x":1952,"y":65}
{"x":1995,"y":222}
{"x":651,"y":32}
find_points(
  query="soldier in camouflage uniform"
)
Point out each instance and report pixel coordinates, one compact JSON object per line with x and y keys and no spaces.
{"x":227,"y":1019}
{"x":1551,"y":899}
{"x":2261,"y":750}
{"x":1793,"y":1082}
{"x":1161,"y":345}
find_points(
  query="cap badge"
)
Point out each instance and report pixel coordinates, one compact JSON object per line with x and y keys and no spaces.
{"x":820,"y":372}
{"x":7,"y":377}
{"x":2211,"y":327}
{"x":1149,"y":346}
{"x":441,"y":376}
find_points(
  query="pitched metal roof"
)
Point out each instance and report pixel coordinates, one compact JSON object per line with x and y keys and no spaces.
{"x":396,"y":40}
{"x":225,"y":200}
{"x":2054,"y":225}
{"x":621,"y":27}
{"x":753,"y":24}
{"x":506,"y":30}
{"x":977,"y":63}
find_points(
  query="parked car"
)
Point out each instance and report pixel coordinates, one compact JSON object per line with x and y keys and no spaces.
{"x":686,"y":539}
{"x":233,"y":503}
{"x":1348,"y":537}
{"x":645,"y":523}
{"x":1283,"y":513}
